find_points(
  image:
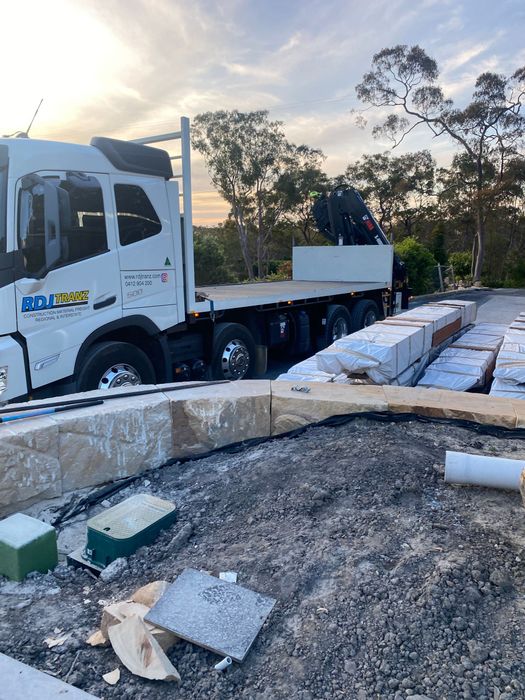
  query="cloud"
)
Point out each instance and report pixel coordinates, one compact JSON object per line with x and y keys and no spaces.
{"x":128,"y":69}
{"x":466,"y":55}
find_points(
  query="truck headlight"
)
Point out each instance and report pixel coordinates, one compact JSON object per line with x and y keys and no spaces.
{"x":3,"y":379}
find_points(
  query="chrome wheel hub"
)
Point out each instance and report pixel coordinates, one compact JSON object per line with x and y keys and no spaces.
{"x":235,"y":360}
{"x":340,"y":329}
{"x":119,"y":375}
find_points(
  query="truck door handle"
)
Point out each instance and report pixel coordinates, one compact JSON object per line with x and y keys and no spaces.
{"x":105,"y":302}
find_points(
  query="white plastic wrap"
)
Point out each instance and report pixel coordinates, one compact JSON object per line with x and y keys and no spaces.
{"x":290,"y":377}
{"x":308,"y":366}
{"x":306,"y":371}
{"x":458,"y":369}
{"x":510,"y":363}
{"x":484,"y":338}
{"x":388,"y":351}
{"x":507,"y":391}
{"x":412,"y":374}
{"x":440,"y":316}
{"x":468,"y":309}
{"x":426,"y":326}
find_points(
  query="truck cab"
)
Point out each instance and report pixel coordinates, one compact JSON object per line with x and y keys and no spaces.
{"x":90,"y":237}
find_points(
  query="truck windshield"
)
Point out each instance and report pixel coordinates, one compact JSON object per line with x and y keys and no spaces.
{"x":3,"y":199}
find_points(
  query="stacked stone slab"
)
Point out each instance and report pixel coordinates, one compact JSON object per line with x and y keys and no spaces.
{"x":509,"y":374}
{"x":468,"y":362}
{"x":45,"y":457}
{"x":394,"y":351}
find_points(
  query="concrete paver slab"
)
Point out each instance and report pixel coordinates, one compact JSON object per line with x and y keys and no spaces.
{"x":220,"y":616}
{"x":20,"y":682}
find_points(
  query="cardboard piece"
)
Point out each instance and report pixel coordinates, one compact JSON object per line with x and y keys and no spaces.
{"x":140,"y":653}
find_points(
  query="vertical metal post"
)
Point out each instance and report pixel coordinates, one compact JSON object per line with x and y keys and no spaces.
{"x":453,"y":276}
{"x":441,"y":287}
{"x":187,"y":213}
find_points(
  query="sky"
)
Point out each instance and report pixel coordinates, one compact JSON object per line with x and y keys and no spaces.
{"x":131,"y":68}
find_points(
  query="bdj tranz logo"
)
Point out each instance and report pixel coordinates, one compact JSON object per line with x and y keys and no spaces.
{"x":59,"y":300}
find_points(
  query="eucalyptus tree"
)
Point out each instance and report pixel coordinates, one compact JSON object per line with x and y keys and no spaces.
{"x":489,"y":129}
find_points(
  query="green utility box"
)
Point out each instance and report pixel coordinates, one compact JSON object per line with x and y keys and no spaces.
{"x":26,"y":544}
{"x":122,"y":529}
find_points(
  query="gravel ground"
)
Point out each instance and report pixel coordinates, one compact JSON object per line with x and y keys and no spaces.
{"x":389,"y":583}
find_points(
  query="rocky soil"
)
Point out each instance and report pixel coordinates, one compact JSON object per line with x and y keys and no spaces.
{"x":389,"y":582}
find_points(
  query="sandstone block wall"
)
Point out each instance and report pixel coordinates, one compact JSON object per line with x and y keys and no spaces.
{"x":45,"y":457}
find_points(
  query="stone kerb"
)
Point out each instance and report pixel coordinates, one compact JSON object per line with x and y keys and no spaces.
{"x":29,"y":465}
{"x":219,"y":415}
{"x":293,"y":409}
{"x":45,"y":457}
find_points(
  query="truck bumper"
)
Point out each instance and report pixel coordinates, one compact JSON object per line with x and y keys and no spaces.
{"x":13,"y":381}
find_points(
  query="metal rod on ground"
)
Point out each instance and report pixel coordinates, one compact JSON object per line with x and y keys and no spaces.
{"x":36,"y":413}
{"x":80,"y":402}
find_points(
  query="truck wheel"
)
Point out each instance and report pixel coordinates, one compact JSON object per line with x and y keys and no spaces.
{"x":338,"y":324}
{"x":112,"y":364}
{"x":364,"y":313}
{"x":233,"y":355}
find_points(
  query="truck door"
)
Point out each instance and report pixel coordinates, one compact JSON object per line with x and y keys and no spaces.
{"x":146,"y":249}
{"x":68,"y":250}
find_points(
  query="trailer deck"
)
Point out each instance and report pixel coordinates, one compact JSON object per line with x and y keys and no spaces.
{"x":234,"y":296}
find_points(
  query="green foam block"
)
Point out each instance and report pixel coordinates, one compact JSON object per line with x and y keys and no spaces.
{"x":26,"y":544}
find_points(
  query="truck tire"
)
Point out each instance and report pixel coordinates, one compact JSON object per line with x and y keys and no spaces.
{"x":113,"y":364}
{"x":233,"y":354}
{"x":364,"y":313}
{"x":338,"y":324}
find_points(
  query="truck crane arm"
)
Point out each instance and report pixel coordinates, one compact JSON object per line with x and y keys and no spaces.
{"x":343,"y":218}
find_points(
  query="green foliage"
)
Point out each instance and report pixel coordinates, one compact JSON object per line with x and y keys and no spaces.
{"x":420,"y":264}
{"x":517,"y":274}
{"x":210,"y":261}
{"x":462,"y":264}
{"x":281,"y":271}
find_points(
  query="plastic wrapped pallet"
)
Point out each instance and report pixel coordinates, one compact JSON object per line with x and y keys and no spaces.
{"x":468,"y":309}
{"x":427,"y":326}
{"x":306,"y":371}
{"x":510,"y":365}
{"x":441,"y":316}
{"x":486,"y":336}
{"x":382,"y":353}
{"x":458,"y":369}
{"x":507,"y":391}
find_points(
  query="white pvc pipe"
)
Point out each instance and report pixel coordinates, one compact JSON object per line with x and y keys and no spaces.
{"x":223,"y":665}
{"x":478,"y":470}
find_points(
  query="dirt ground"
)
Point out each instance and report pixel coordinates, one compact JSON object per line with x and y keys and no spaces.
{"x":389,"y":582}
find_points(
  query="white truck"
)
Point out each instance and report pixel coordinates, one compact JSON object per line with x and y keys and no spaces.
{"x":97,"y":284}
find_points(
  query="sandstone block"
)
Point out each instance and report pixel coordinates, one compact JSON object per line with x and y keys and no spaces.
{"x":29,"y":466}
{"x":214,"y":416}
{"x":120,"y":438}
{"x":440,"y":403}
{"x":294,"y":409}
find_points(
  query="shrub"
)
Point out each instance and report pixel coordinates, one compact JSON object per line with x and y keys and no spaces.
{"x":462,"y":264}
{"x":419,"y":262}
